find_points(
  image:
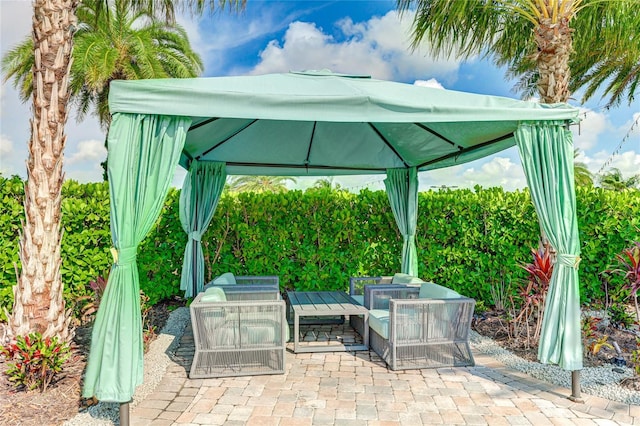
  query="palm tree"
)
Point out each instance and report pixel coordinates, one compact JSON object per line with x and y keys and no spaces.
{"x":328,"y":184}
{"x":616,"y":68}
{"x":614,"y":181}
{"x":259,"y":183}
{"x":112,"y":43}
{"x":38,"y":290}
{"x":581,"y":172}
{"x":38,"y":304}
{"x":533,"y":37}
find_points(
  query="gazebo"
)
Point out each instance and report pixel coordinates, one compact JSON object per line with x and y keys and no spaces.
{"x":316,"y":124}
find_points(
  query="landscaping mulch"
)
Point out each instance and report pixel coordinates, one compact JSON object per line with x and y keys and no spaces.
{"x":63,"y":398}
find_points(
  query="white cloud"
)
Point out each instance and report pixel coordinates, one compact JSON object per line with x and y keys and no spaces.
{"x":83,"y":165}
{"x":499,"y":171}
{"x":6,"y":146}
{"x":380,"y":47}
{"x":8,"y":164}
{"x":622,"y":150}
{"x":219,"y":37}
{"x":432,"y":82}
{"x":627,"y":162}
{"x":592,"y":126}
{"x":89,"y":151}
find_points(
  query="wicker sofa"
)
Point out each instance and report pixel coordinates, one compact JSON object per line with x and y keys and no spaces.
{"x":419,"y":325}
{"x":238,"y":330}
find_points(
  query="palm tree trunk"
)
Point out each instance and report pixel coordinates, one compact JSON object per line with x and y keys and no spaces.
{"x":38,"y":304}
{"x":554,"y":43}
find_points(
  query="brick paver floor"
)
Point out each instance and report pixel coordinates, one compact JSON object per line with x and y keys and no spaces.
{"x":356,"y":388}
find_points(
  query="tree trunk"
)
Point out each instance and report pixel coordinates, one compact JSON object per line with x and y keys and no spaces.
{"x":554,"y":43}
{"x":38,"y":304}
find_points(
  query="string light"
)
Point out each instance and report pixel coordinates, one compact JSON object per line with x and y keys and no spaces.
{"x":357,"y":188}
{"x":616,"y":151}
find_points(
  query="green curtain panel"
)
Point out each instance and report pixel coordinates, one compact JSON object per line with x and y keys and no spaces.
{"x":546,"y":150}
{"x":402,"y":189}
{"x":198,"y":201}
{"x":143,"y":153}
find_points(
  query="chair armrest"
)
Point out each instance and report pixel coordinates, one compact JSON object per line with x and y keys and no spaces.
{"x":378,"y":296}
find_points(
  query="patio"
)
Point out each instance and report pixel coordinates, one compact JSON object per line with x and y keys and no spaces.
{"x":323,"y":124}
{"x":356,"y":388}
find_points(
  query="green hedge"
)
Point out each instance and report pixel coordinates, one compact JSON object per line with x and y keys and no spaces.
{"x":466,"y":239}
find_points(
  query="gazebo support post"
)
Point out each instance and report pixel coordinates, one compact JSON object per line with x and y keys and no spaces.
{"x":575,"y":387}
{"x":124,"y":414}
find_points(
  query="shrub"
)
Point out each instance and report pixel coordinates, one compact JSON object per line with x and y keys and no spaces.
{"x":33,"y":362}
{"x":635,"y":357}
{"x":468,"y":240}
{"x":629,"y":261}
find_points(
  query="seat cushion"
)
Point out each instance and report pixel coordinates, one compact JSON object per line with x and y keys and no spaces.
{"x":379,"y":322}
{"x":410,"y":330}
{"x":214,"y":294}
{"x":405,"y":279}
{"x":264,"y":333}
{"x":436,"y":291}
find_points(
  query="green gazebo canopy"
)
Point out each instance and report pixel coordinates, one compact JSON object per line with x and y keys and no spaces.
{"x":313,"y":123}
{"x":318,"y":123}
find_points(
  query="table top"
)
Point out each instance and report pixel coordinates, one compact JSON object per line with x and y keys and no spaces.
{"x":318,"y":302}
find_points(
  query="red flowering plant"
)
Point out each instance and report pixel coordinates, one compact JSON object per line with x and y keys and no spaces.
{"x":532,"y":293}
{"x":629,"y":262}
{"x":34,"y":361}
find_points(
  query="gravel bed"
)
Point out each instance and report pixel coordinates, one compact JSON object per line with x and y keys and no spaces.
{"x":599,"y":381}
{"x":156,"y":361}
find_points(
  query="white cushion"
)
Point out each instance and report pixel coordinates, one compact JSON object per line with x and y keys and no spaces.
{"x":411,"y":329}
{"x":405,"y":279}
{"x":435,"y":291}
{"x":225,"y":279}
{"x":379,"y":322}
{"x":265,"y":331}
{"x":214,"y":294}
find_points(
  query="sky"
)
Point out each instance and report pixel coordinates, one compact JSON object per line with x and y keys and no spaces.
{"x":357,"y":37}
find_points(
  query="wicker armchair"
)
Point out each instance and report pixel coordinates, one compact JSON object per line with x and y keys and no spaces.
{"x":408,"y":331}
{"x":245,"y":334}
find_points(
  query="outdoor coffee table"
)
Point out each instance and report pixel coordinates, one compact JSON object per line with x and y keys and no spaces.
{"x":325,"y":304}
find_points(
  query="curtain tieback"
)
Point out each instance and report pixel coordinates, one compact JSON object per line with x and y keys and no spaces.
{"x":569,"y":260}
{"x":125,"y":255}
{"x":195,"y":235}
